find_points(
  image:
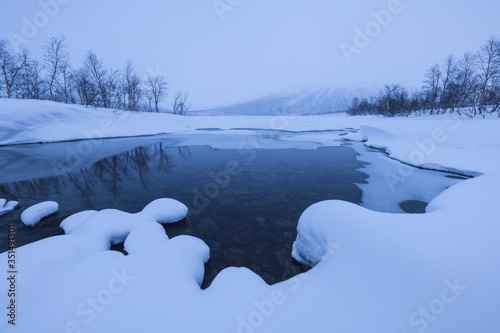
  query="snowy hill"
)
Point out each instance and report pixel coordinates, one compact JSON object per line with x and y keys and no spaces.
{"x":308,"y":101}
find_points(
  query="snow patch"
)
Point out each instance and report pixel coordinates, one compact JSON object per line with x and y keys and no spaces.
{"x":34,"y":214}
{"x":74,"y":221}
{"x":6,"y":207}
{"x":145,"y":237}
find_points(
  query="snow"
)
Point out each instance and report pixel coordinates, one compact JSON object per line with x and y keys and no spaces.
{"x":24,"y":121}
{"x":447,"y":143}
{"x":164,"y":211}
{"x":6,"y":207}
{"x":28,"y":121}
{"x":403,"y":259}
{"x":34,"y":214}
{"x":372,"y":271}
{"x":112,"y":226}
{"x":145,"y":237}
{"x":74,"y":221}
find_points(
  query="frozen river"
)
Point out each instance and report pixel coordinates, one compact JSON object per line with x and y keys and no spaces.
{"x":244,"y":203}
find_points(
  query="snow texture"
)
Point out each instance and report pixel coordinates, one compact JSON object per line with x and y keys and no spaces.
{"x":6,"y":207}
{"x":34,"y":214}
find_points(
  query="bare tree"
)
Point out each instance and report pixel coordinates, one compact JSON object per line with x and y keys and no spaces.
{"x":432,"y":87}
{"x":85,"y":87}
{"x":113,"y":88}
{"x":466,"y":80}
{"x":495,"y":82}
{"x":66,"y":86}
{"x":98,"y":74}
{"x":131,"y":87}
{"x":447,"y":86}
{"x":31,"y":83}
{"x":489,"y":71}
{"x":11,"y":65}
{"x":180,"y":104}
{"x":55,"y":57}
{"x":3,"y":54}
{"x":393,"y":100}
{"x":471,"y":82}
{"x":156,"y":89}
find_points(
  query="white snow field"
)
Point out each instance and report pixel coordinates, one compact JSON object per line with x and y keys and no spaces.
{"x":31,"y":216}
{"x":6,"y":207}
{"x":373,"y":271}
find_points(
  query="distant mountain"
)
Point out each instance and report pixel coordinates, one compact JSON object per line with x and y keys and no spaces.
{"x":306,"y":101}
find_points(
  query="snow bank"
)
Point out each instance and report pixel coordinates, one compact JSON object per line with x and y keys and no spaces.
{"x":447,"y":143}
{"x":372,"y":271}
{"x":402,"y":262}
{"x":34,"y":214}
{"x":6,"y":207}
{"x":415,"y":272}
{"x":63,"y":276}
{"x":29,"y":121}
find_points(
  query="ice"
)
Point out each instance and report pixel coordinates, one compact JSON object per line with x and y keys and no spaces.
{"x":391,"y":183}
{"x":447,"y":143}
{"x":6,"y":207}
{"x":34,"y":214}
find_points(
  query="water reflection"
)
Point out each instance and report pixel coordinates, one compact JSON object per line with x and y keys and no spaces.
{"x":110,"y":173}
{"x":251,"y":221}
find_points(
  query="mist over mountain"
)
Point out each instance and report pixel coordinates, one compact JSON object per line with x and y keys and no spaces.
{"x":307,"y":101}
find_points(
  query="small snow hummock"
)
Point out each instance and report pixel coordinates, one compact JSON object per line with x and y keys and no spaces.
{"x":72,"y":222}
{"x":140,"y":231}
{"x":7,"y":206}
{"x":34,"y":214}
{"x":145,"y":237}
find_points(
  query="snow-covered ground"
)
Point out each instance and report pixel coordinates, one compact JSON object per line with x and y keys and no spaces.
{"x":373,"y":272}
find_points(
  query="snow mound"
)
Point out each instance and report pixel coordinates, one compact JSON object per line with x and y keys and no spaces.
{"x":7,"y":206}
{"x":72,"y":222}
{"x":112,"y":226}
{"x":409,"y":260}
{"x":68,"y":280}
{"x":34,"y":214}
{"x":145,"y":237}
{"x":164,"y":211}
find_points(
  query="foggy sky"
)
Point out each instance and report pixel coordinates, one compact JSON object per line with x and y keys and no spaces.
{"x":253,"y":48}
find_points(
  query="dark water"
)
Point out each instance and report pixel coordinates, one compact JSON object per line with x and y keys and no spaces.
{"x":244,"y":204}
{"x":413,"y":206}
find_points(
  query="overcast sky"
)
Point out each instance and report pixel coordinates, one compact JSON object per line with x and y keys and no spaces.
{"x":247,"y":49}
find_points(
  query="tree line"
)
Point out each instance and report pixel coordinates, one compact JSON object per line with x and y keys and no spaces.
{"x":91,"y":84}
{"x":469,"y":84}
